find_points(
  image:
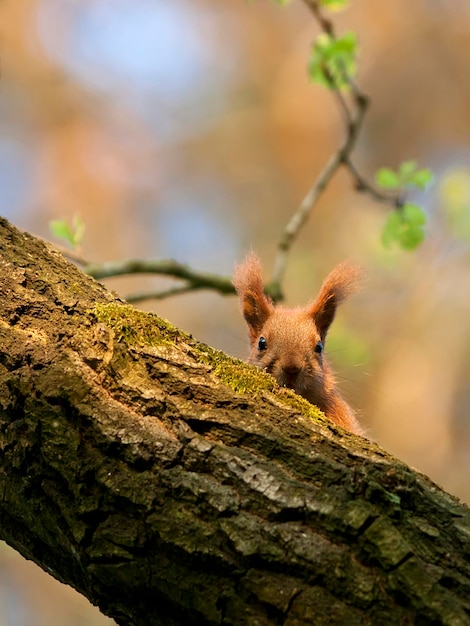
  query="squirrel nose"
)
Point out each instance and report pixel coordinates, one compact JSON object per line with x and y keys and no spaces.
{"x":291,"y":367}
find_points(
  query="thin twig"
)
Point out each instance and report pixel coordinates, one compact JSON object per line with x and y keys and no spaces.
{"x":343,"y":105}
{"x":354,"y":114}
{"x":362,"y":185}
{"x":165,"y":267}
{"x":160,"y":295}
{"x":325,"y":24}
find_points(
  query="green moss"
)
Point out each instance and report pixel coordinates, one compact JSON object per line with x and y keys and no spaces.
{"x":134,"y":327}
{"x":248,"y":379}
{"x":137,"y":328}
{"x":243,"y":378}
{"x":293,"y":400}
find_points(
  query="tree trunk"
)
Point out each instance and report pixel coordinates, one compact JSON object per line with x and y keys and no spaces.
{"x":171,"y":484}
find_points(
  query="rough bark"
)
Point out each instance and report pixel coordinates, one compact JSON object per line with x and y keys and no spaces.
{"x":170,"y":484}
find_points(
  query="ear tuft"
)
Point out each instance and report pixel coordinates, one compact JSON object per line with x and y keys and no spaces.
{"x":255,"y":304}
{"x":340,"y":283}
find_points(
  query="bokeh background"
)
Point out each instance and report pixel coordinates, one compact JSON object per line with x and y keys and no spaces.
{"x":189,"y":130}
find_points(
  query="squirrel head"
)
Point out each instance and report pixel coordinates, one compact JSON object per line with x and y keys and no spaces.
{"x":289,"y":342}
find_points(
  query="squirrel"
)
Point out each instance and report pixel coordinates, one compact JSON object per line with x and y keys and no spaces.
{"x":289,"y":342}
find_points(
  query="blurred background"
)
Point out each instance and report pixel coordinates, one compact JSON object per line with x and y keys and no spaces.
{"x":190,"y":130}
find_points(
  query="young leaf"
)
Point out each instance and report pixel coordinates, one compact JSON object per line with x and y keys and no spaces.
{"x":413,"y":214}
{"x":405,"y":227}
{"x":391,"y":229}
{"x":406,"y":169}
{"x":422,"y":178}
{"x":61,"y":230}
{"x":411,"y":238}
{"x":72,"y":235}
{"x":408,"y":175}
{"x":387,"y":178}
{"x":333,"y":61}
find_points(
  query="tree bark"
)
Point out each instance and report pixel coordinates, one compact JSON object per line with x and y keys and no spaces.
{"x":171,"y":484}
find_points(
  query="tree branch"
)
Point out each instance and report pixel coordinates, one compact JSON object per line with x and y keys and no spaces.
{"x":165,"y":267}
{"x":160,"y":295}
{"x":362,"y":185}
{"x":173,"y":485}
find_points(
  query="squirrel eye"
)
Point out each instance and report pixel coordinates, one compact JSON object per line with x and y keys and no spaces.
{"x":262,"y":343}
{"x":319,"y":347}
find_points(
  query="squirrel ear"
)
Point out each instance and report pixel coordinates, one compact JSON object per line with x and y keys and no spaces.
{"x":341,"y":283}
{"x":255,"y":304}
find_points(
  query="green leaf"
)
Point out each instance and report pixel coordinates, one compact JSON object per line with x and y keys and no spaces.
{"x":61,"y":230}
{"x":411,"y":238}
{"x":422,"y":178}
{"x":73,"y":235}
{"x":413,"y":214}
{"x":406,"y":169}
{"x":408,"y":175}
{"x":387,"y":178}
{"x":391,"y":229}
{"x":405,"y":227}
{"x":333,"y":61}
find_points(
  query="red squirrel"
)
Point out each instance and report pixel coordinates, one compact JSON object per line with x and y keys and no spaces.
{"x":289,"y":343}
